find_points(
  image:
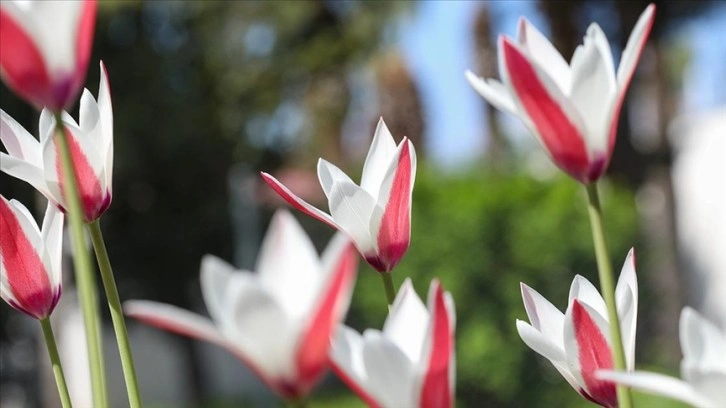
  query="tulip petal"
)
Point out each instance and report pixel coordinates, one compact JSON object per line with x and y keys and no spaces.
{"x":626,"y":299}
{"x":346,"y":355}
{"x":21,"y":62}
{"x":22,"y":170}
{"x":379,"y":157}
{"x":437,"y":390}
{"x":288,"y":266}
{"x":493,"y":91}
{"x":389,"y":371}
{"x":544,"y":346}
{"x":594,"y":88}
{"x":585,"y":292}
{"x":105,"y":109}
{"x":407,"y":321}
{"x":24,"y":274}
{"x":543,"y":316}
{"x":659,"y":384}
{"x":297,"y":202}
{"x":394,"y":231}
{"x":312,"y":354}
{"x":703,"y":344}
{"x":544,"y":54}
{"x":215,"y":277}
{"x":552,"y":117}
{"x":18,"y":142}
{"x":52,"y":236}
{"x":587,"y":350}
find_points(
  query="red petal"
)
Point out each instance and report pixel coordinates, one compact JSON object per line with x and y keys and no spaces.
{"x":312,"y":356}
{"x":559,"y":135}
{"x":436,"y":391}
{"x":93,"y":200}
{"x":593,"y":354}
{"x":25,"y":272}
{"x":394,"y":236}
{"x":22,"y":64}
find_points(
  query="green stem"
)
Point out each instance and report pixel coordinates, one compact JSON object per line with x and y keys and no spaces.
{"x":117,"y":316}
{"x":60,"y":378}
{"x":388,"y":287}
{"x":605,"y":271}
{"x":85,"y":278}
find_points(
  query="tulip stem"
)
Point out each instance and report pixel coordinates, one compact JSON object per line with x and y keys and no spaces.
{"x":605,"y":271}
{"x":117,"y":316}
{"x":60,"y":378}
{"x":388,"y":287}
{"x":85,"y":277}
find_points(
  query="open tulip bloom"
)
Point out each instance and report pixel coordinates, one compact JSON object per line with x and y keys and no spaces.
{"x":278,"y":321}
{"x":410,"y":363}
{"x":91,"y":145}
{"x":578,"y":343}
{"x":703,"y":367}
{"x":30,"y":259}
{"x":377,"y":214}
{"x":46,"y":46}
{"x":573,"y":109}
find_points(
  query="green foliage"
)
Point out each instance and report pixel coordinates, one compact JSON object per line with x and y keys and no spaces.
{"x":481,"y":234}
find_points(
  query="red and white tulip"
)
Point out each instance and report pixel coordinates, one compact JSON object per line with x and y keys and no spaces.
{"x":411,"y":363}
{"x":91,"y":145}
{"x":46,"y":46}
{"x":573,"y":109}
{"x":377,"y":214}
{"x":30,"y":259}
{"x":578,"y":342}
{"x":703,"y":367}
{"x":278,"y":321}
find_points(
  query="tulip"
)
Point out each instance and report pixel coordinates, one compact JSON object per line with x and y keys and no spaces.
{"x":577,"y":343}
{"x":410,"y":363}
{"x":46,"y":46}
{"x":30,"y":259}
{"x":91,"y":146}
{"x":573,"y":109}
{"x":377,"y":214}
{"x":703,"y":367}
{"x":278,"y":321}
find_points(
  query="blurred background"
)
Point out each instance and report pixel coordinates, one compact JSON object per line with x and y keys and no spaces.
{"x":207,"y":94}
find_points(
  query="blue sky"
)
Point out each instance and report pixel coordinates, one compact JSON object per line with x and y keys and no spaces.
{"x":438,"y":45}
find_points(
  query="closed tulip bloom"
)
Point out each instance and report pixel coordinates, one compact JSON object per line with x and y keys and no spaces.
{"x":577,"y":343}
{"x":377,"y":214}
{"x":30,"y":259}
{"x":703,"y":367}
{"x":46,"y":46}
{"x":572,"y":109}
{"x":411,"y":363}
{"x":278,"y":321}
{"x":91,"y":145}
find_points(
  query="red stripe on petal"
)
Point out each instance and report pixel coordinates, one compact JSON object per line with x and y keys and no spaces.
{"x":355,"y":387}
{"x":93,"y":200}
{"x":436,"y":391}
{"x":593,"y":354}
{"x":84,"y":42}
{"x":296,"y":201}
{"x":394,"y":236}
{"x":312,"y":355}
{"x":560,"y":136}
{"x":22,"y":64}
{"x":26,"y":276}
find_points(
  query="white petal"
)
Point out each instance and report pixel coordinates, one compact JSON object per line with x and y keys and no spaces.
{"x":702,"y":343}
{"x":52,"y":234}
{"x":346,"y":352}
{"x":493,"y":91}
{"x":390,"y":373}
{"x":18,"y":142}
{"x":626,"y":299}
{"x":89,"y":140}
{"x":708,"y":384}
{"x":634,"y":47}
{"x":25,"y":171}
{"x":540,"y":343}
{"x":593,"y":88}
{"x":384,"y":190}
{"x":329,"y":175}
{"x":379,"y":159}
{"x":583,"y":290}
{"x":407,"y":322}
{"x":106,"y":114}
{"x":543,"y":315}
{"x":215,"y":277}
{"x":544,"y":54}
{"x":288,"y":266}
{"x":659,"y":384}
